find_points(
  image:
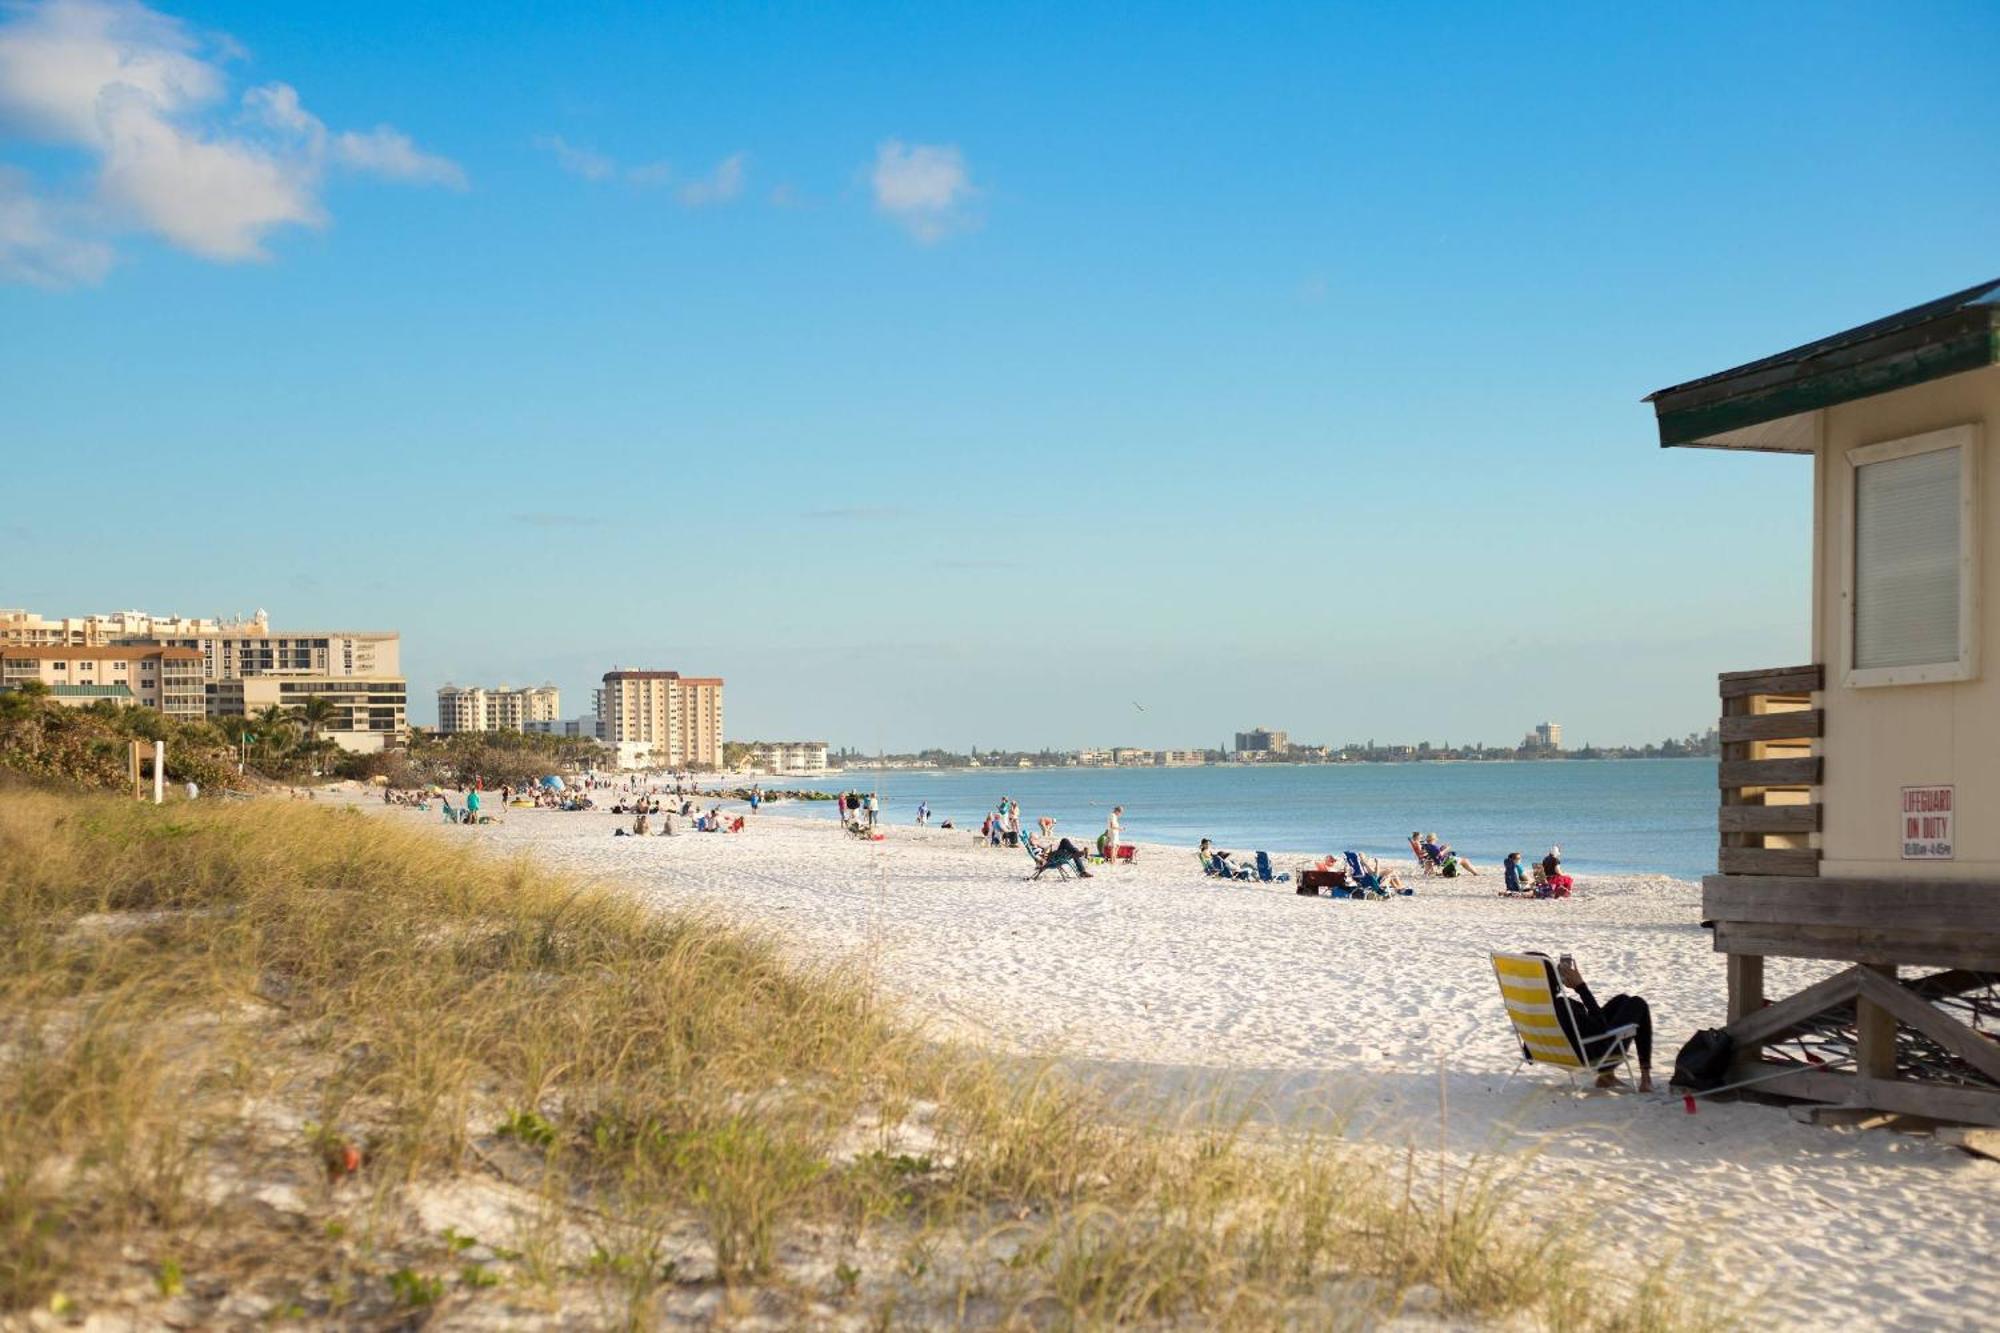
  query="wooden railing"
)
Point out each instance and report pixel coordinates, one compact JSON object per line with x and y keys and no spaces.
{"x":1768,"y":770}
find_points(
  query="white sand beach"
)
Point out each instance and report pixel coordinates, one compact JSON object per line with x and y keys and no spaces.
{"x":1379,"y":1016}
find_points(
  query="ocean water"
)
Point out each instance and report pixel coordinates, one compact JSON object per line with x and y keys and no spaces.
{"x":1626,"y":816}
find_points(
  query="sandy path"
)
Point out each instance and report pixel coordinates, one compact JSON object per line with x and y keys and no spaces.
{"x":1154,"y":976}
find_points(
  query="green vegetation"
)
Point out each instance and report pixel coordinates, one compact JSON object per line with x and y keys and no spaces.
{"x":247,"y":1049}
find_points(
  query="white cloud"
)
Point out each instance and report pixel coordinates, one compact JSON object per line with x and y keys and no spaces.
{"x":718,"y":187}
{"x":924,"y":187}
{"x":35,"y":246}
{"x":592,"y":166}
{"x":136,"y":92}
{"x":387,"y":151}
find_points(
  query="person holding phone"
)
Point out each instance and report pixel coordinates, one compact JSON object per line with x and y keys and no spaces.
{"x":1587,"y":1022}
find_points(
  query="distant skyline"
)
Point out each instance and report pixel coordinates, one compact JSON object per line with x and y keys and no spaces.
{"x":1021,"y":376}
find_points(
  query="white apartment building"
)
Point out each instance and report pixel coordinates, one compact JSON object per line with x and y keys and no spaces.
{"x":661,"y":719}
{"x":19,"y":628}
{"x":476,"y":708}
{"x":789,"y":758}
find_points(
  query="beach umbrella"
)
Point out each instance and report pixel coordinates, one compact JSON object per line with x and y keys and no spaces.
{"x":552,"y":782}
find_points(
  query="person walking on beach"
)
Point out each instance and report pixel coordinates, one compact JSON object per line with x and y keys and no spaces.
{"x":1114,"y":829}
{"x":871,"y":809}
{"x":1010,"y":826}
{"x":756,"y":798}
{"x":923,"y":814}
{"x":472,"y":806}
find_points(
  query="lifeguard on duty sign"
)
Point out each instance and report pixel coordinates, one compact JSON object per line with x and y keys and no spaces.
{"x":1927,"y":823}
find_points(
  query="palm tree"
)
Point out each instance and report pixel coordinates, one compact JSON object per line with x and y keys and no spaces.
{"x":314,"y":714}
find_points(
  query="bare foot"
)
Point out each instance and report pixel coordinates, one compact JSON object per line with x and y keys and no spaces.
{"x":1608,"y":1080}
{"x":1645,"y":1080}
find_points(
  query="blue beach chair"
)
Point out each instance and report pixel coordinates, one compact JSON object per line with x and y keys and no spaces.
{"x":1264,"y":874}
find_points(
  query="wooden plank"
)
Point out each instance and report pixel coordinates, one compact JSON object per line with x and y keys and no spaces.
{"x":1769,"y":818}
{"x":1746,"y":985}
{"x":1774,"y":1020}
{"x":1983,"y":1142}
{"x":1916,"y":948}
{"x":1771,"y":680}
{"x":1787,"y":861}
{"x":1799,"y":724}
{"x":1732,"y":773}
{"x":1905,"y":1008}
{"x":1966,"y":905}
{"x":1937,"y":1100}
{"x":1874,"y":1026}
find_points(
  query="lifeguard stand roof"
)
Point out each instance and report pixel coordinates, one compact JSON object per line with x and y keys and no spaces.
{"x":1766,"y":405}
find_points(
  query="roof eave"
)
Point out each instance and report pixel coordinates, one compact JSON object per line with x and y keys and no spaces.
{"x":1721,"y":412}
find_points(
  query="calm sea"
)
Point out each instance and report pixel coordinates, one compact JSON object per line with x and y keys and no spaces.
{"x":1609,"y":816}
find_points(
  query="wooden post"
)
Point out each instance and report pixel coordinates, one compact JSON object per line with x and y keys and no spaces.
{"x":1746,"y":997}
{"x":1875,"y":1033}
{"x":159,"y":772}
{"x":132,"y":768}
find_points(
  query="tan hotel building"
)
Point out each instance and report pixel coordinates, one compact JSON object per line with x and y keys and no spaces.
{"x":168,"y":679}
{"x":662,"y":719}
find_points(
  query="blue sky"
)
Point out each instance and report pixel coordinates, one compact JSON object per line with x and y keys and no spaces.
{"x":965,"y":376}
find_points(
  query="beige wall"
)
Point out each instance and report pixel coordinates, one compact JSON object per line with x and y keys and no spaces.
{"x":1880,"y":739}
{"x":671,"y":720}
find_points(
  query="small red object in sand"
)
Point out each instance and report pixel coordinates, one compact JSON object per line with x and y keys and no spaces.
{"x":1688,"y":1101}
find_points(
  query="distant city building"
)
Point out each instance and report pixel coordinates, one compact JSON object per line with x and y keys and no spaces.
{"x":168,"y":679}
{"x":1262,"y":743}
{"x":1179,"y":758}
{"x":789,"y":758}
{"x":476,"y":708}
{"x":1545,"y":736}
{"x":586,"y":727}
{"x":662,"y":719}
{"x":370,"y":715}
{"x":26,"y":629}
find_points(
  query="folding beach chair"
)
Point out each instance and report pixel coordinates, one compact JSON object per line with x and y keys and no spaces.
{"x":450,"y":815}
{"x":1041,"y":860}
{"x":1264,"y":874}
{"x":1528,"y":987}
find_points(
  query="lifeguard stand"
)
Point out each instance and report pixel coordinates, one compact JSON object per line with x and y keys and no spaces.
{"x":1860,"y":793}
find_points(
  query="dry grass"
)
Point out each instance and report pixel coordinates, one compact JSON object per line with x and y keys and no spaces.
{"x":208,"y":1015}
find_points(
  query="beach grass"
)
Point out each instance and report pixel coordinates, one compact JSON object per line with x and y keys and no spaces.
{"x":252,"y":1054}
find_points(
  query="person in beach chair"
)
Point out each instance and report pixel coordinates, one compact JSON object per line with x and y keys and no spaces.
{"x":450,"y":815}
{"x":1063,"y":858}
{"x":1420,"y":847}
{"x":1215,"y":861}
{"x":1367,"y":873}
{"x":1578,"y":1036}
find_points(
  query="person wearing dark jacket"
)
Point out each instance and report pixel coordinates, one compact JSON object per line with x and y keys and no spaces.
{"x":1587,"y":1022}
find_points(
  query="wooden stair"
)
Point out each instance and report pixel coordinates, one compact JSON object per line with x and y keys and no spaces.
{"x":1768,"y":770}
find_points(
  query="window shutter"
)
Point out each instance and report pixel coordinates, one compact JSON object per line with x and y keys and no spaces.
{"x":1906,"y":552}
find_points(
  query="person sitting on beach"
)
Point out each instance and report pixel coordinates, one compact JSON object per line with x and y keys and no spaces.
{"x":1421,"y":851}
{"x":1587,"y":1022}
{"x":639,"y":825}
{"x":1559,"y":883}
{"x":1515,"y":884}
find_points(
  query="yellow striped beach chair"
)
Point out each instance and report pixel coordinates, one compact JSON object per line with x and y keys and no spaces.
{"x":1528,"y":987}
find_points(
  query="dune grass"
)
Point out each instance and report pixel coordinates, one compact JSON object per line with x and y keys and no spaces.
{"x":250,"y":1054}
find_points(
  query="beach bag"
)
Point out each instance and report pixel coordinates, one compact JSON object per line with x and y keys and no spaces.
{"x":1703,"y":1064}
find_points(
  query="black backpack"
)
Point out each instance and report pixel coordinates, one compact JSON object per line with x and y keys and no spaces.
{"x":1703,"y":1064}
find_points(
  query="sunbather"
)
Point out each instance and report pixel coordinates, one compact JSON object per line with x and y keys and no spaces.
{"x":1515,"y":884}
